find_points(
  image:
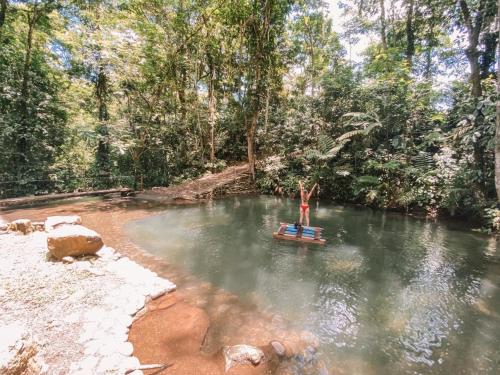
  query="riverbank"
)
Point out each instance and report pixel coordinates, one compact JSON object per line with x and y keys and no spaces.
{"x":215,"y":318}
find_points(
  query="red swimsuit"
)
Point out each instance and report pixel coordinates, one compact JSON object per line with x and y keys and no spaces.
{"x":304,"y":207}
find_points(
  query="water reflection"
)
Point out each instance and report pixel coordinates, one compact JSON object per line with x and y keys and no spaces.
{"x":387,"y":294}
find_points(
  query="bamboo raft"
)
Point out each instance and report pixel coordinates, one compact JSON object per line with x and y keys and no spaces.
{"x":290,"y":232}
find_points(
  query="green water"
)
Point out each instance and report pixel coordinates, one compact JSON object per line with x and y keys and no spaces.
{"x":387,"y":294}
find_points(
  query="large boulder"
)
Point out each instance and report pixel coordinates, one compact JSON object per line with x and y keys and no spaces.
{"x":53,"y":222}
{"x":17,"y":351}
{"x":21,"y":225}
{"x":73,"y":240}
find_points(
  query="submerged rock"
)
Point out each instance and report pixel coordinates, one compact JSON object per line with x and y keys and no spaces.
{"x":54,"y":222}
{"x":21,"y":225}
{"x":73,"y":240}
{"x":242,"y":355}
{"x":279,"y":348}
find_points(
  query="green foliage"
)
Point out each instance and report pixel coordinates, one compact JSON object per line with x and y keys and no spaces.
{"x":146,"y":93}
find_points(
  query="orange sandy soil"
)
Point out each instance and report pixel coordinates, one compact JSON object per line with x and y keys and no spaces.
{"x":187,"y":328}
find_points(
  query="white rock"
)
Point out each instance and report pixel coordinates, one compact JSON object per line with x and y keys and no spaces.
{"x":89,"y":364}
{"x":241,"y":355}
{"x":130,"y":363}
{"x":68,"y":259}
{"x":111,"y":363}
{"x":106,"y":252}
{"x":53,"y":222}
{"x":126,"y":349}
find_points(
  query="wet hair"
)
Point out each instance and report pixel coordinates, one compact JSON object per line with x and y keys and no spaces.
{"x":305,"y":191}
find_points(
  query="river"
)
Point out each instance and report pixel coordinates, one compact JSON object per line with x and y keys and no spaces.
{"x":387,"y":294}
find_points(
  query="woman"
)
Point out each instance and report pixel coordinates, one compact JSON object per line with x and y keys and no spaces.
{"x":304,"y":202}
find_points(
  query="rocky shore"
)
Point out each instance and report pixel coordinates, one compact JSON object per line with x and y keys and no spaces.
{"x":71,"y":315}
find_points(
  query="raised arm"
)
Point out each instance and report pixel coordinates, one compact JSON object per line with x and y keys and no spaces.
{"x":301,"y":186}
{"x":312,"y":191}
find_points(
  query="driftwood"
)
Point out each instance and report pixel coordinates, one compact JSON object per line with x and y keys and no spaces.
{"x":160,"y":367}
{"x":50,"y":197}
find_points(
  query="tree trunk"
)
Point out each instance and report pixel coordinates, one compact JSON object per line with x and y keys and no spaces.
{"x":383,"y":34}
{"x":211,"y":112}
{"x":471,"y":52}
{"x":22,"y":137}
{"x":103,"y":160}
{"x":475,"y":72}
{"x":410,"y":35}
{"x":27,"y":57}
{"x":251,"y":128}
{"x":266,"y":111}
{"x":3,"y":11}
{"x":497,"y":131}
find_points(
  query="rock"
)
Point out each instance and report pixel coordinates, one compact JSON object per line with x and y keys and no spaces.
{"x":73,"y":240}
{"x":242,"y":355}
{"x":126,"y":349}
{"x":68,"y":259}
{"x":108,"y":253}
{"x":4,"y":227}
{"x":17,"y":352}
{"x":278,"y":347}
{"x":130,"y":363}
{"x":53,"y":222}
{"x":38,"y":226}
{"x":89,"y":364}
{"x":21,"y":225}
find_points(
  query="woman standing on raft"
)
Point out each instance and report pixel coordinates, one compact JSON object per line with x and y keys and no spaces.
{"x":304,"y":202}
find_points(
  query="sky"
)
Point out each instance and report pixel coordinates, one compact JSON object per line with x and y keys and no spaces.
{"x":354,"y":51}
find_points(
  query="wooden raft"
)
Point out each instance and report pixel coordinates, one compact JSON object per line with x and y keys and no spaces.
{"x":289,"y":232}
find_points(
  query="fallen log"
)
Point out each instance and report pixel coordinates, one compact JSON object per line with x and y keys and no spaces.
{"x":50,"y":197}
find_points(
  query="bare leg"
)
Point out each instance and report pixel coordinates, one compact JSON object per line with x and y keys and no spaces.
{"x":307,"y":216}
{"x":301,"y":215}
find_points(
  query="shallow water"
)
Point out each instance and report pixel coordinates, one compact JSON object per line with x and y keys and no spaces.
{"x":387,"y":294}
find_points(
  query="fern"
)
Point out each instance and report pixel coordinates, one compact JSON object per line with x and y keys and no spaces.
{"x":367,"y":180}
{"x":423,"y":160}
{"x":349,"y":135}
{"x":325,"y":143}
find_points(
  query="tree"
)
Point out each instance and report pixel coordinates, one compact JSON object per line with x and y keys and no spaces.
{"x":497,"y":130}
{"x":477,"y":17}
{"x":3,"y":11}
{"x":263,"y":25}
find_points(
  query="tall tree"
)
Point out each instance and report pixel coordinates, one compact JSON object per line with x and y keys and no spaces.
{"x":477,"y":16}
{"x":35,"y":12}
{"x":383,"y":30}
{"x":497,"y":130}
{"x":410,"y":33}
{"x":3,"y":11}
{"x":263,"y":25}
